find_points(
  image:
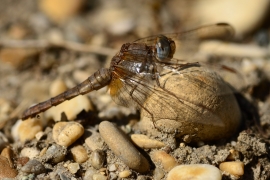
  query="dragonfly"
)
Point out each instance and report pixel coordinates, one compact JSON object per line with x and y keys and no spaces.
{"x":135,"y":71}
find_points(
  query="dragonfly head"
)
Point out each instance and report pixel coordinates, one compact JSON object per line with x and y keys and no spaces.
{"x":164,"y":48}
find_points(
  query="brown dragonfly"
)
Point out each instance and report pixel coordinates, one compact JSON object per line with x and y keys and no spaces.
{"x":135,"y":71}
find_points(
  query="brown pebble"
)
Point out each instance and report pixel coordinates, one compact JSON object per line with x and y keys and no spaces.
{"x":235,"y":168}
{"x":16,"y":57}
{"x":8,"y":153}
{"x":22,"y":160}
{"x":5,"y":170}
{"x":119,"y":143}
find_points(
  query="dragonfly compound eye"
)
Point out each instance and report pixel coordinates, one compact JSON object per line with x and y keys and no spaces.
{"x":165,"y":48}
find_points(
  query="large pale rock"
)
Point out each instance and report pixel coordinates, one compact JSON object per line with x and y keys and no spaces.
{"x":197,"y":103}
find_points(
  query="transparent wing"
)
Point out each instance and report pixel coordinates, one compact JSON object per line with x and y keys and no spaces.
{"x":215,"y":31}
{"x":161,"y":101}
{"x":188,"y":42}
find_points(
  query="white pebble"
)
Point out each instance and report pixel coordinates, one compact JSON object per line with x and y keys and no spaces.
{"x":66,"y":133}
{"x":195,"y":172}
{"x":112,"y":167}
{"x":73,"y":167}
{"x":29,"y":152}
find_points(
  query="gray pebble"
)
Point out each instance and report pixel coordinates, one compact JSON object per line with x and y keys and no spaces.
{"x":63,"y":177}
{"x":113,"y":176}
{"x":122,"y":147}
{"x":55,"y":153}
{"x":34,"y":166}
{"x":97,"y":159}
{"x":89,"y":174}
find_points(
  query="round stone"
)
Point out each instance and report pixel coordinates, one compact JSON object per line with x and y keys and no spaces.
{"x":66,"y":133}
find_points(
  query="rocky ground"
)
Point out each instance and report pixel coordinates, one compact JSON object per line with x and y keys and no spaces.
{"x":49,"y":46}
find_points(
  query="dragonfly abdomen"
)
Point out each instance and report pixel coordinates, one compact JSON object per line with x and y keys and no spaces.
{"x":96,"y":81}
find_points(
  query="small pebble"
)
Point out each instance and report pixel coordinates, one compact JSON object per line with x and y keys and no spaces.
{"x":89,"y":174}
{"x":145,"y":142}
{"x":61,"y":10}
{"x":33,"y":166}
{"x":125,"y":174}
{"x":22,"y":161}
{"x":195,"y":172}
{"x":97,"y":159}
{"x":71,"y":108}
{"x":99,"y":177}
{"x":5,"y":170}
{"x":66,"y":133}
{"x":39,"y":135}
{"x":26,"y":133}
{"x":112,"y":167}
{"x":166,"y":160}
{"x":73,"y":167}
{"x":234,"y":155}
{"x":235,"y":168}
{"x":30,"y":152}
{"x":158,"y":174}
{"x":79,"y":154}
{"x":8,"y":153}
{"x":95,"y":141}
{"x":120,"y":144}
{"x":113,"y":176}
{"x":55,"y":153}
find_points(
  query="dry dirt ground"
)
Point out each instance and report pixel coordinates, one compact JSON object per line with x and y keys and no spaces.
{"x":27,"y":72}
